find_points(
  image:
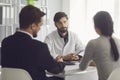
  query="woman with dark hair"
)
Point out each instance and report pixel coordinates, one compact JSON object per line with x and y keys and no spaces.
{"x":104,"y":50}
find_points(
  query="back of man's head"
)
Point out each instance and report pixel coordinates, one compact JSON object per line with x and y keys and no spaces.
{"x":59,"y":15}
{"x":28,"y":15}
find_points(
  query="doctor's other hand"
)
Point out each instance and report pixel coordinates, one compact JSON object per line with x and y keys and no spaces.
{"x":71,"y":57}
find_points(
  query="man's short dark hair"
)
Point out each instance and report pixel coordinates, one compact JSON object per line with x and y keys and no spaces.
{"x":28,"y":15}
{"x":59,"y":15}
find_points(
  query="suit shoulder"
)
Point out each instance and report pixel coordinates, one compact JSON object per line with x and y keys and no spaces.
{"x":39,"y":42}
{"x":7,"y":38}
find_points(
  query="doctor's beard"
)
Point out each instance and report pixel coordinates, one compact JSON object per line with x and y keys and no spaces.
{"x":63,"y":29}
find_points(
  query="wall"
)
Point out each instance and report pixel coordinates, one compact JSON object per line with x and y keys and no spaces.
{"x":66,"y":7}
{"x":53,"y":7}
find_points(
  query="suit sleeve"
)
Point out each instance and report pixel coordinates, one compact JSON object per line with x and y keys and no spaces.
{"x":49,"y":63}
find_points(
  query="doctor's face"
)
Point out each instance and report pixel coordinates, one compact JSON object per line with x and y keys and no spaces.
{"x":62,"y":25}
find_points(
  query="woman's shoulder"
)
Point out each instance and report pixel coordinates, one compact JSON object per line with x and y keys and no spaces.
{"x":94,"y":42}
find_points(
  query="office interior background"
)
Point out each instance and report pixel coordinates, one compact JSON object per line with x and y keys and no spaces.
{"x":80,"y":13}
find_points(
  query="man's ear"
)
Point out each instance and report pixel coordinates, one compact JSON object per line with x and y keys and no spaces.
{"x":33,"y":26}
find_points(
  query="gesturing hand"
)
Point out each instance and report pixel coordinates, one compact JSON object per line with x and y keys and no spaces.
{"x":71,"y":56}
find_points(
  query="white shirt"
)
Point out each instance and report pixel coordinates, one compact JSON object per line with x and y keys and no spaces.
{"x":57,"y":45}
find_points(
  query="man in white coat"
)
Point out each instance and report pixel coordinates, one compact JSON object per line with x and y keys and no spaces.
{"x":63,"y":43}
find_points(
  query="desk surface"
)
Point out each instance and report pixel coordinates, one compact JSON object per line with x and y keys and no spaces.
{"x":74,"y":70}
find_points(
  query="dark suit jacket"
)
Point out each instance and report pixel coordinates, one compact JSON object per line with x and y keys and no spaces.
{"x":21,"y":51}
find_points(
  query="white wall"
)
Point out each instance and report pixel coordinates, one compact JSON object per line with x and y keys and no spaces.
{"x":66,"y":7}
{"x":77,"y":19}
{"x":53,"y":6}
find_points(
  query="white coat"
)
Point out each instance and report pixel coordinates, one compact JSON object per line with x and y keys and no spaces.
{"x":57,"y":45}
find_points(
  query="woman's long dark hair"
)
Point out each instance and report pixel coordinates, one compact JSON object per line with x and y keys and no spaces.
{"x":103,"y":21}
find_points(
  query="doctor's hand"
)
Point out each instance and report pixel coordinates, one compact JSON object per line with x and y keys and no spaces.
{"x":71,"y":57}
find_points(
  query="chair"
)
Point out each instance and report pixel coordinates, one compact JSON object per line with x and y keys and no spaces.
{"x":115,"y":75}
{"x":15,"y":74}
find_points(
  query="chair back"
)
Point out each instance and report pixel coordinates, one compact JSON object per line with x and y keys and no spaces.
{"x":15,"y":74}
{"x":115,"y":75}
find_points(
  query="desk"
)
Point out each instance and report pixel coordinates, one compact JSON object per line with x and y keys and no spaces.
{"x":72,"y":72}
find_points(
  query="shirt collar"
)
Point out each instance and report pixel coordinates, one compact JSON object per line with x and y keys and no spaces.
{"x":25,"y":33}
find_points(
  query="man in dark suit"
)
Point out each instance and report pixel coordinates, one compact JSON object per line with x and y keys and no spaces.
{"x":20,"y":50}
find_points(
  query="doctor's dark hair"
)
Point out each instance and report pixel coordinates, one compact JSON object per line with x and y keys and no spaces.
{"x":103,"y":21}
{"x":59,"y":15}
{"x":28,"y":15}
